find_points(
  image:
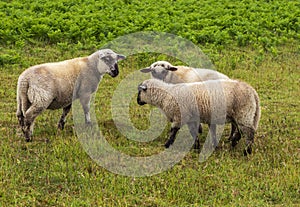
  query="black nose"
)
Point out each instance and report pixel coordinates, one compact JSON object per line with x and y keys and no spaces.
{"x":138,"y":99}
{"x":114,"y":70}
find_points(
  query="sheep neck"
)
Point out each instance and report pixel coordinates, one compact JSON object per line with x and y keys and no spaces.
{"x":160,"y":96}
{"x":172,"y":77}
{"x":93,"y":66}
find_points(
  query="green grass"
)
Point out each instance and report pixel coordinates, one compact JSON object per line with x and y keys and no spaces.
{"x":54,"y":170}
{"x":253,"y":41}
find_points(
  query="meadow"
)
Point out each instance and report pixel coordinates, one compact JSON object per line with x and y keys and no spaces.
{"x":254,"y":41}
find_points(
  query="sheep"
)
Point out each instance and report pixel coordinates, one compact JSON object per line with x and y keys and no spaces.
{"x":55,"y":85}
{"x":165,"y":71}
{"x":203,"y":102}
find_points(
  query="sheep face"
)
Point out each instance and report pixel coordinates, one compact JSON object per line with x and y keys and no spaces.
{"x":141,"y":94}
{"x":149,"y":92}
{"x":108,"y":62}
{"x":159,"y":73}
{"x":163,"y":64}
{"x":159,"y":69}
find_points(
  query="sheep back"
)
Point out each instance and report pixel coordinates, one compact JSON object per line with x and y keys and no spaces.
{"x":236,"y":100}
{"x":185,"y":74}
{"x":226,"y":100}
{"x":52,"y":81}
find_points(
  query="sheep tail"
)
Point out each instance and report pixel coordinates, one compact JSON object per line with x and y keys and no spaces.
{"x":257,"y":112}
{"x":22,"y":99}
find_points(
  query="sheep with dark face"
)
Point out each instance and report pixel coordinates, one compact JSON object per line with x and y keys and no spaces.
{"x":209,"y":102}
{"x":51,"y":86}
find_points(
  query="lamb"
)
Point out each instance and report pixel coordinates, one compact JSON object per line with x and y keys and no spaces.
{"x":165,"y":71}
{"x":209,"y":102}
{"x":55,"y":85}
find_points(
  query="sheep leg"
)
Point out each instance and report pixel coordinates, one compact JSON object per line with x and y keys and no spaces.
{"x":213,"y":136}
{"x":200,"y":129}
{"x":21,"y":120}
{"x":20,"y":117}
{"x":249,"y":132}
{"x":235,"y":134}
{"x":85,"y":103}
{"x":62,"y":121}
{"x":232,"y":132}
{"x":235,"y":138}
{"x":23,"y":105}
{"x":172,"y":136}
{"x":30,"y":116}
{"x":194,"y":129}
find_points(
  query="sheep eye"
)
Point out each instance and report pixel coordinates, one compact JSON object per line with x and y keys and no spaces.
{"x":109,"y":60}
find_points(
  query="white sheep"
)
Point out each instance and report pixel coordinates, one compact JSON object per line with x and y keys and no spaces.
{"x":165,"y":71}
{"x":51,"y":86}
{"x":209,"y":102}
{"x":168,"y":73}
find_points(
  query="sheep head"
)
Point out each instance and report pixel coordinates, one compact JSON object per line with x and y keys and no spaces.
{"x":150,"y":91}
{"x":109,"y":62}
{"x":141,"y":88}
{"x":159,"y":69}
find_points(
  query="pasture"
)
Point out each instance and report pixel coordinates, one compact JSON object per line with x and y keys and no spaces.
{"x":253,"y":41}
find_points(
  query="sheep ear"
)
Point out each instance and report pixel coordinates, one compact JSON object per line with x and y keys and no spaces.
{"x":172,"y":68}
{"x":145,"y":70}
{"x":121,"y":57}
{"x":142,"y":87}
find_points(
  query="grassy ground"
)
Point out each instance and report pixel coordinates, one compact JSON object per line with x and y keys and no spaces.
{"x":54,"y":170}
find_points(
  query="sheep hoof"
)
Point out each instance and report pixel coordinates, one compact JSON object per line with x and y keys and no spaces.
{"x":168,"y":143}
{"x":196,"y":145}
{"x":215,"y":144}
{"x":27,"y":136}
{"x":61,"y":125}
{"x":247,"y":151}
{"x":234,"y":142}
{"x":28,"y":139}
{"x":88,"y":124}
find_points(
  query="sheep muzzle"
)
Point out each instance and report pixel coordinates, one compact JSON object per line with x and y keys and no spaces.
{"x":114,"y":70}
{"x":139,"y":101}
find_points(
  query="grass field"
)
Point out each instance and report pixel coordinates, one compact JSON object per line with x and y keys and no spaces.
{"x":54,"y":169}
